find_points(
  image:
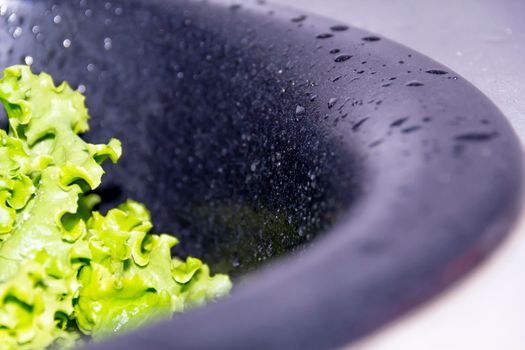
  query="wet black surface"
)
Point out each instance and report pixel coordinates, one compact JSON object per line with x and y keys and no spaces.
{"x":253,"y":131}
{"x":207,"y":141}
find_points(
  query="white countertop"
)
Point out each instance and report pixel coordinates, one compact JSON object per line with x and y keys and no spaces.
{"x":484,"y":41}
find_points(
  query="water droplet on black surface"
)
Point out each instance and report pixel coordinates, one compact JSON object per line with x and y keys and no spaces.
{"x":339,"y":28}
{"x":107,"y":43}
{"x":342,"y":58}
{"x":436,"y":72}
{"x":298,"y":19}
{"x":414,"y":83}
{"x":376,"y":143}
{"x":28,"y":60}
{"x":411,"y":129}
{"x":17,"y":32}
{"x":476,"y":136}
{"x":11,"y":18}
{"x":299,"y":110}
{"x":358,"y":125}
{"x":324,"y":36}
{"x":398,"y":122}
{"x":371,"y":38}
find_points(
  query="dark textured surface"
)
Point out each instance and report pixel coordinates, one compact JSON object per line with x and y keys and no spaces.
{"x":249,"y":130}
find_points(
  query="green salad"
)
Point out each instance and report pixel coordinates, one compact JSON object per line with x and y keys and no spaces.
{"x":69,"y":273}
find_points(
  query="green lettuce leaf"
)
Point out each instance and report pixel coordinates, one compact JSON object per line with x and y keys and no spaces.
{"x":66,"y":270}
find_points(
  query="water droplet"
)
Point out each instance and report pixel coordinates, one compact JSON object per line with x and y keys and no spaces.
{"x":313,"y":98}
{"x":3,"y":10}
{"x":298,"y":18}
{"x":371,"y":38}
{"x":107,"y":43}
{"x":410,"y":129}
{"x":324,"y":36}
{"x":476,"y":136}
{"x":376,"y":143}
{"x":180,"y":75}
{"x":398,"y":122}
{"x":339,"y":28}
{"x":334,"y":51}
{"x":35,"y":29}
{"x":28,"y":60}
{"x":414,"y":83}
{"x":332,"y":102}
{"x":66,"y":43}
{"x":81,"y":88}
{"x":17,"y":32}
{"x":11,"y":18}
{"x":299,"y":110}
{"x":253,"y":166}
{"x":342,"y":58}
{"x":90,"y":67}
{"x":57,"y":19}
{"x":88,"y":12}
{"x":436,"y":71}
{"x":119,"y":11}
{"x":358,"y":125}
{"x":107,"y":5}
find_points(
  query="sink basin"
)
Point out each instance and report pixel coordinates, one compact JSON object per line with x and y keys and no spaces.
{"x":340,"y":178}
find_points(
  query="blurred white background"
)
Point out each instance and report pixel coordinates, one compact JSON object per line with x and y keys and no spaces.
{"x":484,"y":41}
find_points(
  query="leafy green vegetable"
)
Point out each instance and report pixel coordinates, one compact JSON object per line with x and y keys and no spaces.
{"x":66,"y":270}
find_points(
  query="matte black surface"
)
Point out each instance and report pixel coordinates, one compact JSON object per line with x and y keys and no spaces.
{"x":251,"y":130}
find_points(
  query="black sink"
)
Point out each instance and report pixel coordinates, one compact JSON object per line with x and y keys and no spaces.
{"x":340,"y":178}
